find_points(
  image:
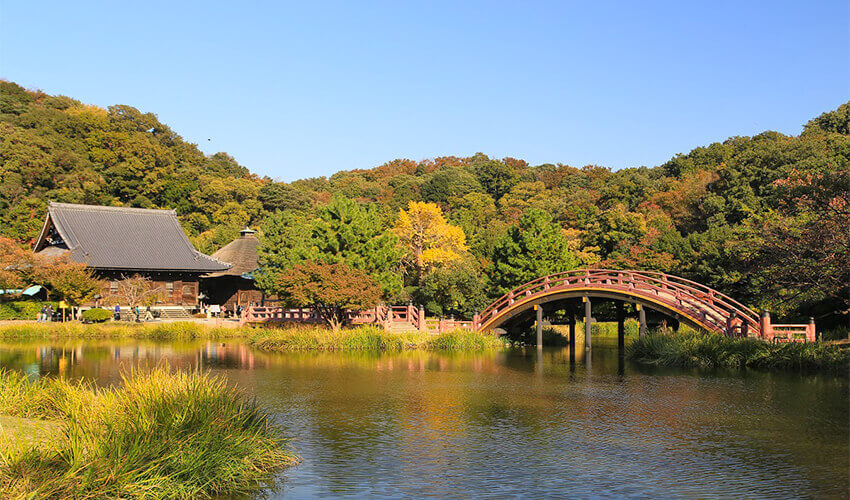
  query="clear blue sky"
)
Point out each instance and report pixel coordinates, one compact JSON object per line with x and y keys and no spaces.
{"x":303,"y":89}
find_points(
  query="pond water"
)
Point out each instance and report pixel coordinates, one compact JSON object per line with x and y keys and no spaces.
{"x":512,"y":423}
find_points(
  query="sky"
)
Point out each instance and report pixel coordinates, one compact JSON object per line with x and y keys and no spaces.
{"x":304,"y":89}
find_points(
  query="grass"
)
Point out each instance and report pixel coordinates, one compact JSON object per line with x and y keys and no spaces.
{"x":367,"y":338}
{"x":697,"y":349}
{"x":299,"y":337}
{"x":160,"y":434}
{"x":181,"y":330}
{"x":27,"y":431}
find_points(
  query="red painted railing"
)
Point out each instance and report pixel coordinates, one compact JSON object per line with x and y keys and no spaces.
{"x":386,"y":316}
{"x":703,"y":305}
{"x":706,"y":306}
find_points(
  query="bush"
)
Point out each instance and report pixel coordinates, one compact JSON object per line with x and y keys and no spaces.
{"x":23,"y":309}
{"x":96,"y":315}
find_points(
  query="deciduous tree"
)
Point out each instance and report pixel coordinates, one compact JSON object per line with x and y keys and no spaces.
{"x":428,"y":239}
{"x":330,"y":289}
{"x":137,"y":290}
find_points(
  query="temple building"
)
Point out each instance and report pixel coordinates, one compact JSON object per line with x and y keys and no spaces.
{"x":235,"y":286}
{"x":119,"y":242}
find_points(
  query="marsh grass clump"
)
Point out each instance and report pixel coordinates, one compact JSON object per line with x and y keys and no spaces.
{"x":157,"y":434}
{"x":462,"y":339}
{"x":298,"y":338}
{"x":184,"y":330}
{"x":367,"y":338}
{"x":701,"y":349}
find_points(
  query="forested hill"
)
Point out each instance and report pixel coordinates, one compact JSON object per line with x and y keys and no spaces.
{"x":764,"y":218}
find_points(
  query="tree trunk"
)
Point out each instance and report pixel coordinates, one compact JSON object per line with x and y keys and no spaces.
{"x":333,"y":316}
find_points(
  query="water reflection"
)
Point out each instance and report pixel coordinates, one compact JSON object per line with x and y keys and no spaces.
{"x":555,"y":423}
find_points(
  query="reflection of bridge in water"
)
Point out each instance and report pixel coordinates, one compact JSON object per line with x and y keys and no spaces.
{"x":679,"y":298}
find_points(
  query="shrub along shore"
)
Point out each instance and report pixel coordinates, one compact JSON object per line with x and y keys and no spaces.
{"x":158,"y":434}
{"x":707,"y":350}
{"x":268,"y":339}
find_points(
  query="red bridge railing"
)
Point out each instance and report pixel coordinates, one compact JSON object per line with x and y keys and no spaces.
{"x":707,"y":307}
{"x":710,"y":308}
{"x":389,"y":317}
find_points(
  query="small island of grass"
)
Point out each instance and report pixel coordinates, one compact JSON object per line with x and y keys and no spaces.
{"x":708,"y":350}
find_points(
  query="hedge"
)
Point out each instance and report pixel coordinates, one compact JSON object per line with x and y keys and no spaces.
{"x":96,"y":315}
{"x":23,"y":309}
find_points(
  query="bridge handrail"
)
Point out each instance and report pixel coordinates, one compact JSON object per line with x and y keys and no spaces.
{"x":729,"y":303}
{"x":655,"y":280}
{"x":725,"y":297}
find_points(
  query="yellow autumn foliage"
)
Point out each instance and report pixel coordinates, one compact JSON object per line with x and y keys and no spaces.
{"x":428,"y":239}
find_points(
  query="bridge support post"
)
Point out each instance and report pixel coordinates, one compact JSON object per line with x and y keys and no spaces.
{"x":539,"y":309}
{"x":766,"y":327}
{"x":811,"y":334}
{"x":642,"y":320}
{"x":421,"y":324}
{"x":572,"y":327}
{"x":621,"y":326}
{"x":587,"y":318}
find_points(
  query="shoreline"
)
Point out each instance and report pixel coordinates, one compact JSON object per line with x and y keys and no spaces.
{"x":295,"y":338}
{"x":687,"y":349}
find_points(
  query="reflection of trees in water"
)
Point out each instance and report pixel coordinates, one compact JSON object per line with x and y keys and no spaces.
{"x":104,"y":361}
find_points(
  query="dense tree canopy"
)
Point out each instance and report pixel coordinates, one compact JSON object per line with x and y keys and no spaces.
{"x":535,"y":247}
{"x":343,"y":231}
{"x":330,"y":289}
{"x":762,"y":218}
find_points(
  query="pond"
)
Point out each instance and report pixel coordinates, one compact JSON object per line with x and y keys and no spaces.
{"x":512,"y":423}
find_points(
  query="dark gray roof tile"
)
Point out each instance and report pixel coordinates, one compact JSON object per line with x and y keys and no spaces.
{"x":126,"y":238}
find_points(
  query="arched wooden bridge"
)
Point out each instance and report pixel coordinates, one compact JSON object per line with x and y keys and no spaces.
{"x":692,"y":302}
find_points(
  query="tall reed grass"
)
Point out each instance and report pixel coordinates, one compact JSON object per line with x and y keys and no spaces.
{"x":298,"y":337}
{"x":367,"y":338}
{"x":160,"y":434}
{"x":180,"y":330}
{"x":699,"y":349}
